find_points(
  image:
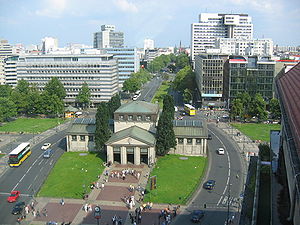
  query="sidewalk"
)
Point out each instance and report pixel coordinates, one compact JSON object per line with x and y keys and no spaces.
{"x":108,"y":198}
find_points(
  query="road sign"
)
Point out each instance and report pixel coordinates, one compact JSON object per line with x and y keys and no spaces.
{"x":97,"y":213}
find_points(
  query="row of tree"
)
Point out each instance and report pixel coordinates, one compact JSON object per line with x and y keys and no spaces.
{"x":172,"y":62}
{"x":27,"y":99}
{"x":105,"y":112}
{"x":245,"y":106}
{"x":136,"y":81}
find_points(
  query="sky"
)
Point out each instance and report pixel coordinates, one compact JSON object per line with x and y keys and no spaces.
{"x":167,"y":22}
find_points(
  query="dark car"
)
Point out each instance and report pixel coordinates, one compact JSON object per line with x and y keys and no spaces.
{"x":18,"y":208}
{"x":209,"y":137}
{"x":210,"y":184}
{"x":197,"y":215}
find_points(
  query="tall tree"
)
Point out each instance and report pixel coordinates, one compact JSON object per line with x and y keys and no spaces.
{"x":55,"y":87}
{"x":102,"y":132}
{"x":187,"y":95}
{"x":84,"y":95}
{"x":182,"y":61}
{"x":165,"y":136}
{"x":236,"y":108}
{"x":35,"y":104}
{"x":275,"y":109}
{"x":20,"y":96}
{"x":168,"y":106}
{"x":8,"y":109}
{"x":5,"y":91}
{"x":114,"y":104}
{"x":258,"y":107}
{"x":51,"y":104}
{"x":246,"y":102}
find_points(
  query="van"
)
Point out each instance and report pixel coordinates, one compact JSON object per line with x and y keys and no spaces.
{"x":48,"y":153}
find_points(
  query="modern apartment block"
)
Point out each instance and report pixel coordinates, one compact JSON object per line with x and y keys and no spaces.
{"x":100,"y":72}
{"x":108,"y":38}
{"x":5,"y":51}
{"x":10,"y":70}
{"x":249,"y":74}
{"x":214,"y":25}
{"x":209,"y":77}
{"x":245,"y":47}
{"x":128,"y":62}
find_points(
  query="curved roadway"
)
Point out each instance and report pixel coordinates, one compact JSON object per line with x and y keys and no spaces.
{"x":226,"y":170}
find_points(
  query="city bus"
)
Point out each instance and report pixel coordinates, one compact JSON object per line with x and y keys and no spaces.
{"x":189,"y":109}
{"x":19,"y":154}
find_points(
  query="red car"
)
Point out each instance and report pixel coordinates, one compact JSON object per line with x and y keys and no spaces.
{"x":14,"y":195}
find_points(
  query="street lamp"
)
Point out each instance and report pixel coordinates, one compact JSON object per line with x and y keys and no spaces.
{"x":97,"y":213}
{"x":84,"y":184}
{"x":228,"y":203}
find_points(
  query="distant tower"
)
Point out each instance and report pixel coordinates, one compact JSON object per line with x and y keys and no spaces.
{"x":108,"y":38}
{"x":49,"y":44}
{"x":148,"y":44}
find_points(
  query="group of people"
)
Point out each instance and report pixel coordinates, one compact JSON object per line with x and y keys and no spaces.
{"x":166,"y":215}
{"x":87,"y":207}
{"x":122,"y":174}
{"x":117,"y":220}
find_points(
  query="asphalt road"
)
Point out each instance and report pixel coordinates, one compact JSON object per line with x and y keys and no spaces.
{"x":223,"y":169}
{"x":29,"y":177}
{"x":149,"y":89}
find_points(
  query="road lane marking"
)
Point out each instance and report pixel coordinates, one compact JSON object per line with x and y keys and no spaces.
{"x":228,"y":158}
{"x":17,"y":184}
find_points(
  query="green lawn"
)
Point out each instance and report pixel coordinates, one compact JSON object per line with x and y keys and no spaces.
{"x":30,"y":125}
{"x":70,"y":174}
{"x":177,"y":179}
{"x":160,"y":93}
{"x":256,"y":131}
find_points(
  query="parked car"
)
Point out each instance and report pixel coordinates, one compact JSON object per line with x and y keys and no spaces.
{"x":209,"y":185}
{"x":221,"y":151}
{"x":18,"y":208}
{"x":14,"y":195}
{"x":209,"y":137}
{"x":46,"y":146}
{"x":197,"y":215}
{"x":48,"y":153}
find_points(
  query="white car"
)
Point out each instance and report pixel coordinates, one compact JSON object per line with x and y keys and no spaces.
{"x":46,"y":146}
{"x":221,"y":151}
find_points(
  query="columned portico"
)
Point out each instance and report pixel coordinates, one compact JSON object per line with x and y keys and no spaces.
{"x":137,"y":156}
{"x":123,"y":155}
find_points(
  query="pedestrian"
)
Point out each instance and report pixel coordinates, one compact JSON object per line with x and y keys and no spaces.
{"x":97,"y":185}
{"x":139,"y":219}
{"x":45,"y":212}
{"x":102,"y":186}
{"x":138,"y":176}
{"x":26,"y":209}
{"x":38,"y":213}
{"x":62,"y":202}
{"x":34,"y":213}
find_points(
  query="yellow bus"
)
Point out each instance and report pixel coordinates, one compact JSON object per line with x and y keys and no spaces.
{"x":189,"y":109}
{"x":19,"y":154}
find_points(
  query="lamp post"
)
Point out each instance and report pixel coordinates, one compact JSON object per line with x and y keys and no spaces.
{"x":84,"y":182}
{"x":97,"y":213}
{"x":228,"y":203}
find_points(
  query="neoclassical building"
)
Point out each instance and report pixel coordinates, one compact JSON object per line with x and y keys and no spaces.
{"x":133,"y":140}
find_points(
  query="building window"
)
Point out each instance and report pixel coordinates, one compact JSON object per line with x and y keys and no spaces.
{"x":180,"y":140}
{"x":130,"y":117}
{"x":148,"y":118}
{"x":138,"y":117}
{"x":91,"y":138}
{"x":189,"y":140}
{"x":74,"y":137}
{"x":116,"y":149}
{"x":198,"y":141}
{"x":82,"y":137}
{"x":121,"y":117}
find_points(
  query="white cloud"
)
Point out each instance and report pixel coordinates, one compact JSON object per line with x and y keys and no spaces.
{"x":268,"y":6}
{"x":126,"y":6}
{"x":53,"y":8}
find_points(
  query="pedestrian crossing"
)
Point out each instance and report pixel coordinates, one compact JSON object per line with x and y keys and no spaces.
{"x":223,"y":203}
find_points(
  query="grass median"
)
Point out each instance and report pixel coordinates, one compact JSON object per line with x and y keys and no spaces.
{"x":31,"y":125}
{"x":160,"y":93}
{"x":72,"y":175}
{"x":256,"y":131}
{"x":177,"y":178}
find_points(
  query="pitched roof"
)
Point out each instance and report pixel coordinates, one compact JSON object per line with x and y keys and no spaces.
{"x":190,"y":128}
{"x":134,"y":132}
{"x":289,"y":89}
{"x":138,"y":107}
{"x":82,"y":129}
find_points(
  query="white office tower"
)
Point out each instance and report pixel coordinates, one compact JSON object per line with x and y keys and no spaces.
{"x":245,"y":47}
{"x":49,"y":44}
{"x":108,"y":38}
{"x":148,"y":44}
{"x":214,"y":25}
{"x":5,"y":51}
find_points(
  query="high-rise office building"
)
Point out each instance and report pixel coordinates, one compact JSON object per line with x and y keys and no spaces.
{"x":108,"y":38}
{"x":49,"y":44}
{"x":214,"y":25}
{"x":5,"y":51}
{"x":128,"y":62}
{"x":246,"y":47}
{"x":148,"y":44}
{"x":100,"y":72}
